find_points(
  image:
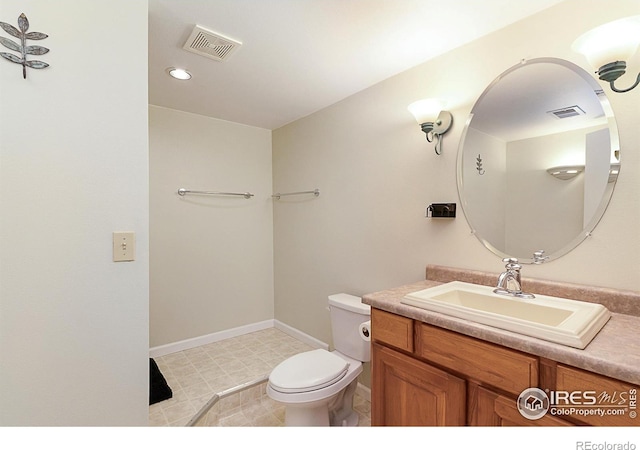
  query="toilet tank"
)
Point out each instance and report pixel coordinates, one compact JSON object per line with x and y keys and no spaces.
{"x":347,"y":313}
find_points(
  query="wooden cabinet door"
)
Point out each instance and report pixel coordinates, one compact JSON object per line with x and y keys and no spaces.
{"x":408,"y":392}
{"x":492,"y":409}
{"x":615,"y":400}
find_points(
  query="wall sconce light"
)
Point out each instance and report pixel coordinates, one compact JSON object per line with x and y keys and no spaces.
{"x":609,"y":47}
{"x":565,"y":172}
{"x":432,"y":119}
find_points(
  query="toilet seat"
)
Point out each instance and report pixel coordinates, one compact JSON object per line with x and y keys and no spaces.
{"x":308,"y":371}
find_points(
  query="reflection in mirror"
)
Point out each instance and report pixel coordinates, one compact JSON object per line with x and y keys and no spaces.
{"x":538,"y":160}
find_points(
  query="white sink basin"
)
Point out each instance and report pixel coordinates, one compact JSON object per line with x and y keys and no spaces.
{"x":568,"y":322}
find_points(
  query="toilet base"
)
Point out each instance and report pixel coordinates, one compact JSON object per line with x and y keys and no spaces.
{"x":350,"y":421}
{"x":334,"y":411}
{"x":308,"y":416}
{"x":342,"y":414}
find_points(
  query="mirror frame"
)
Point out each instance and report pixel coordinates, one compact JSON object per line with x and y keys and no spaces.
{"x":604,"y":201}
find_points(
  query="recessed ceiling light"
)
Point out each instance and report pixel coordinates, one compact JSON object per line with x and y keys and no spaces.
{"x":179,"y":74}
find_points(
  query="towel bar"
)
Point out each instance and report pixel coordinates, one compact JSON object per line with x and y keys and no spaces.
{"x":182,"y":192}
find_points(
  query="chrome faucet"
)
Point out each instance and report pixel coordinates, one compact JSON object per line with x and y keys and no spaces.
{"x":539,"y":258}
{"x":509,"y":282}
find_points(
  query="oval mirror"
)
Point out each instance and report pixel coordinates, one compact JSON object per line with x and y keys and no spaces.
{"x":538,"y":160}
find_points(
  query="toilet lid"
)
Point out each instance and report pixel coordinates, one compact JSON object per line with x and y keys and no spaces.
{"x":308,"y":371}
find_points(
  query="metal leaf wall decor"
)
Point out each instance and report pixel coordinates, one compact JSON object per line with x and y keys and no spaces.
{"x":22,"y":47}
{"x":479,"y":165}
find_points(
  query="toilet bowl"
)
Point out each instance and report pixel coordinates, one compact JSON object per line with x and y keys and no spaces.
{"x":312,"y":386}
{"x":317,"y":386}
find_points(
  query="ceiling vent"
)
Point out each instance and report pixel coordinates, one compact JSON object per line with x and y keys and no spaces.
{"x":211,"y":45}
{"x":569,"y":111}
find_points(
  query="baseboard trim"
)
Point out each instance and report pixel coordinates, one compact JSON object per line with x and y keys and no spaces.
{"x":294,"y":332}
{"x":187,"y":344}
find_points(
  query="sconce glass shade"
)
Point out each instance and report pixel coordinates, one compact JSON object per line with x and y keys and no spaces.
{"x":611,"y":42}
{"x":426,"y":110}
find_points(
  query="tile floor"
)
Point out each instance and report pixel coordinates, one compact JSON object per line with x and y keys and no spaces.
{"x":195,"y":375}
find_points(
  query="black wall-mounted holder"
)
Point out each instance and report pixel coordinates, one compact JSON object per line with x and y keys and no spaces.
{"x":441,"y":210}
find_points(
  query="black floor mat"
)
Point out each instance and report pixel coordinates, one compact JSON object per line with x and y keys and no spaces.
{"x":158,"y":388}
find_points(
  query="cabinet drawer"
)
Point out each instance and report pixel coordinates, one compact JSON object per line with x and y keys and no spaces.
{"x":612,"y":397}
{"x":392,"y":329}
{"x":508,"y":370}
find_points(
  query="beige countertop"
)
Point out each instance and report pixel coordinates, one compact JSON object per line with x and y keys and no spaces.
{"x":614,"y":352}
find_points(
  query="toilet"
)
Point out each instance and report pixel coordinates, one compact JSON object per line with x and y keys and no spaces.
{"x":317,"y":386}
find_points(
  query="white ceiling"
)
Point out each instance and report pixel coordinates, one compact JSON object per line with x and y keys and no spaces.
{"x":299,"y":56}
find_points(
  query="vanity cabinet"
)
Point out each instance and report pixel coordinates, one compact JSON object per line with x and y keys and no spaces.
{"x":425,"y":375}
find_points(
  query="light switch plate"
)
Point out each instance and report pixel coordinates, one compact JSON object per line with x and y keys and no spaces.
{"x":124,"y":246}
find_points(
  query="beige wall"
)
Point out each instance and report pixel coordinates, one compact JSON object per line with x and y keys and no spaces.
{"x":211,"y":256}
{"x":376,"y":174}
{"x":554,"y":212}
{"x":74,"y":169}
